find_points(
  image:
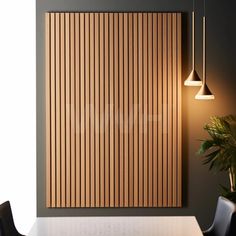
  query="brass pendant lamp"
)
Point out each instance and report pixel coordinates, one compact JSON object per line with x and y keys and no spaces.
{"x":193,"y":78}
{"x":204,"y":93}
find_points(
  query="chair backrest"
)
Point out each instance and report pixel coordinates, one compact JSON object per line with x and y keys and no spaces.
{"x":224,"y":223}
{"x":6,"y":219}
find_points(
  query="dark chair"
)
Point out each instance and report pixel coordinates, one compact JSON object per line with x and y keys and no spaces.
{"x":7,"y":226}
{"x":224,"y":223}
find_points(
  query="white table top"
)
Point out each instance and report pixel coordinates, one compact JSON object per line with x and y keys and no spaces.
{"x":116,"y":226}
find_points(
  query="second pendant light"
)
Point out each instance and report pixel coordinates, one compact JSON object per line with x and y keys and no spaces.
{"x":204,"y":93}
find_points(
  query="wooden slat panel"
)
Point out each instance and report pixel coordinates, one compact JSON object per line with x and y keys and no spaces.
{"x":48,"y":107}
{"x":77,"y":110}
{"x":113,"y":109}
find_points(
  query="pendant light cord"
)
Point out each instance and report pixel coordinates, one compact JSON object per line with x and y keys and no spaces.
{"x":204,"y":44}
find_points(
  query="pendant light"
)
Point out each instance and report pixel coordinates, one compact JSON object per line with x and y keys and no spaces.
{"x":204,"y":92}
{"x":193,"y":78}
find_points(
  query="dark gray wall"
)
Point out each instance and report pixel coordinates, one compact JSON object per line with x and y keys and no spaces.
{"x":200,"y":188}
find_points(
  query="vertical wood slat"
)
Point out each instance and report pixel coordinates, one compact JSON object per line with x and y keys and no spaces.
{"x":102,"y":123}
{"x":160,"y":110}
{"x":107,"y":110}
{"x":135,"y":105}
{"x":121,"y":107}
{"x":58,"y":110}
{"x":53,"y":115}
{"x":87,"y":114}
{"x":170,"y":107}
{"x":179,"y":111}
{"x":150,"y":111}
{"x":126,"y":112}
{"x":82,"y":106}
{"x":48,"y":107}
{"x":63,"y":113}
{"x":77,"y":111}
{"x":72,"y":94}
{"x":113,"y":109}
{"x":140,"y":100}
{"x":97,"y":111}
{"x":117,"y":137}
{"x":91,"y":110}
{"x":130,"y":130}
{"x":155,"y":111}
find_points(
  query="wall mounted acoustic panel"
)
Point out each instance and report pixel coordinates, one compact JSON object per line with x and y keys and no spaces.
{"x":113,"y":110}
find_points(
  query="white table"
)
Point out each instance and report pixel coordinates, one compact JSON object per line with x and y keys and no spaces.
{"x":116,"y":226}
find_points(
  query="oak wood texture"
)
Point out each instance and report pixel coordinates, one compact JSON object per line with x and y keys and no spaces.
{"x":113,"y":110}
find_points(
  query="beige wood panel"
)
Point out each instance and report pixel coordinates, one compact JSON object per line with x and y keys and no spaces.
{"x":113,"y":110}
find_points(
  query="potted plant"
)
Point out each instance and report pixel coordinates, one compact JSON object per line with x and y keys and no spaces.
{"x":219,"y":150}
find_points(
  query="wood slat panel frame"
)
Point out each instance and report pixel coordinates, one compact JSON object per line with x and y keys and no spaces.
{"x":113,"y":109}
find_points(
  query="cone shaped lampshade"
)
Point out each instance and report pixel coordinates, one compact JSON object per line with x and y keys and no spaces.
{"x":204,"y":93}
{"x":193,"y":78}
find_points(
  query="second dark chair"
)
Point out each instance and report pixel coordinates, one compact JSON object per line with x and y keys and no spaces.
{"x":7,"y":226}
{"x":224,"y":223}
